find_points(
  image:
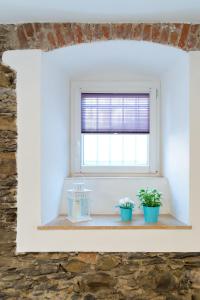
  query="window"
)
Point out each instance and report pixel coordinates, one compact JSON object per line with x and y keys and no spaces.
{"x":114,"y":129}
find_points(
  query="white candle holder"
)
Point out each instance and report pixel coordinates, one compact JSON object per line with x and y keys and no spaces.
{"x":78,"y":204}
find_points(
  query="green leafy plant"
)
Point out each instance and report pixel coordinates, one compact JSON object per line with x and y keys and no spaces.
{"x":149,"y":197}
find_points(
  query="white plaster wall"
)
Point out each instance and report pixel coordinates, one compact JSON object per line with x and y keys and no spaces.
{"x":115,"y":61}
{"x":42,"y":124}
{"x":175,"y":135}
{"x":29,"y":239}
{"x":106,"y":192}
{"x":194,"y":141}
{"x":28,"y":66}
{"x":54,"y":136}
{"x":104,"y":11}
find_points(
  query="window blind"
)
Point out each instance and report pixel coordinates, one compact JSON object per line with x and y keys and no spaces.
{"x":115,"y":113}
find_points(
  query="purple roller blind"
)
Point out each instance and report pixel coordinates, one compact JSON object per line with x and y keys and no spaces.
{"x":115,"y":113}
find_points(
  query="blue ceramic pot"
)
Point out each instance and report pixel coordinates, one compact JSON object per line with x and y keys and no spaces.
{"x":151,"y":214}
{"x":126,"y":214}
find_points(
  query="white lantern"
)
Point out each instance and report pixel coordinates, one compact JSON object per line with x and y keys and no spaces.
{"x":78,"y":204}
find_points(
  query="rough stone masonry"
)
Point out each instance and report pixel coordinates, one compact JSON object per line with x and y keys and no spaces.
{"x":88,"y":276}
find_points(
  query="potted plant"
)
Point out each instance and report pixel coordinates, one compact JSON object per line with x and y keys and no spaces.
{"x":126,"y":209}
{"x":150,"y":201}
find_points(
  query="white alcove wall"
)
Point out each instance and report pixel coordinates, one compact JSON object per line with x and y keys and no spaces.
{"x":175,"y":134}
{"x":42,"y":113}
{"x":135,"y":61}
{"x":54,"y":136}
{"x":43,"y":96}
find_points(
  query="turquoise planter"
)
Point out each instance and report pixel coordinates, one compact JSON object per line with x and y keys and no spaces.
{"x":126,"y":214}
{"x":151,"y":214}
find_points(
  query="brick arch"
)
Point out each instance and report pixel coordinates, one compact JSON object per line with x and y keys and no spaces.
{"x":49,"y":36}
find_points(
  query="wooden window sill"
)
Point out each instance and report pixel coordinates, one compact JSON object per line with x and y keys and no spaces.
{"x":166,"y":221}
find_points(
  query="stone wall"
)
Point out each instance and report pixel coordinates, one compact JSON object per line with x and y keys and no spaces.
{"x":138,"y":276}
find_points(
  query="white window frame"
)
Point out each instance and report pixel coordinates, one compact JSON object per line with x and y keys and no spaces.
{"x":78,"y":87}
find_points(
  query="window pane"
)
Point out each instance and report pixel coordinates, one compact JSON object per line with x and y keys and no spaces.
{"x":141,"y":150}
{"x":103,"y":149}
{"x":89,"y":149}
{"x":115,"y":149}
{"x":129,"y":149}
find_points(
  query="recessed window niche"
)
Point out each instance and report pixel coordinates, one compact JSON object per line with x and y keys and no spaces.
{"x":44,"y":160}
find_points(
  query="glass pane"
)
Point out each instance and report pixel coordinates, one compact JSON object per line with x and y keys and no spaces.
{"x":115,"y":149}
{"x":103,"y":149}
{"x":129,"y":149}
{"x":141,"y":146}
{"x":89,"y":149}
